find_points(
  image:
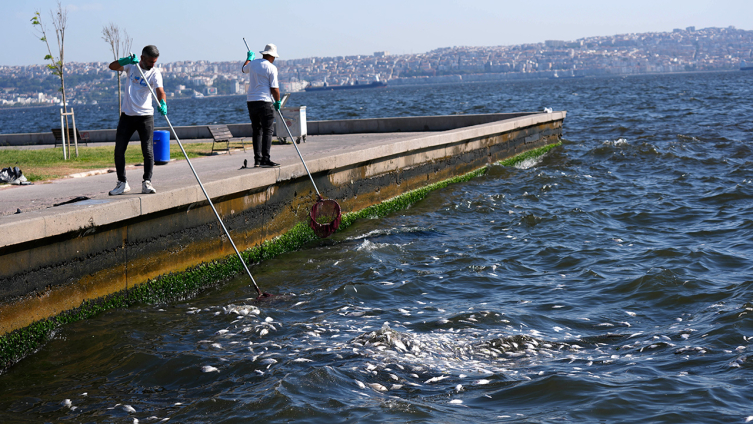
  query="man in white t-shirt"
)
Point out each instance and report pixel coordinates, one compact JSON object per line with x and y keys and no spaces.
{"x":263,"y":95}
{"x":138,"y":114}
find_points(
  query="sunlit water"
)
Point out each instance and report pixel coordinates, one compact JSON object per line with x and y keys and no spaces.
{"x":609,"y":281}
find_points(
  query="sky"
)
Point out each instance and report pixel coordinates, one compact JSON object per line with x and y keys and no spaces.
{"x":214,"y":29}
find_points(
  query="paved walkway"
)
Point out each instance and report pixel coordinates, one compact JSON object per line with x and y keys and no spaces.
{"x":177,"y":174}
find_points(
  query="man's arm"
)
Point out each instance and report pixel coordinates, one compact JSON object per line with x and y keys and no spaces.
{"x":161,"y":95}
{"x":249,"y":57}
{"x":275,"y":93}
{"x":118,"y":64}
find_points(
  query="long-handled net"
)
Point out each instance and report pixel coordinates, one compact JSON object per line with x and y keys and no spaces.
{"x":262,"y":295}
{"x":325,"y":215}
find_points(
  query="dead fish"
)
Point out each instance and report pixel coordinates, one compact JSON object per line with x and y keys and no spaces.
{"x":435,"y":379}
{"x":209,"y":368}
{"x":378,"y":387}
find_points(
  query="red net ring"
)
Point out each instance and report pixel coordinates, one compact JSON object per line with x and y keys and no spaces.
{"x":325,"y":217}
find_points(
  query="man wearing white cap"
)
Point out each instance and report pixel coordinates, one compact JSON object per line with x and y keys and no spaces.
{"x":263,"y":95}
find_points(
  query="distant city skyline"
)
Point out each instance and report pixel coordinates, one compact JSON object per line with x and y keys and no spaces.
{"x":681,"y":50}
{"x":191,"y":30}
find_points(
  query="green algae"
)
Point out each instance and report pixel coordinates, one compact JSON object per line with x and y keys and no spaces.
{"x":528,"y":155}
{"x":173,"y":287}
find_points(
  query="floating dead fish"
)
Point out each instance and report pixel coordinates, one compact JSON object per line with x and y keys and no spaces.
{"x":378,"y":387}
{"x":435,"y":379}
{"x":209,"y":368}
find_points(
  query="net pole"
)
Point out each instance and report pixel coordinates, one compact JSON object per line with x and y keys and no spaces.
{"x":227,"y":233}
{"x":279,"y":112}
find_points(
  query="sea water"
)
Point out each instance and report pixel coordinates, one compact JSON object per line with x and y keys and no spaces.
{"x":607,"y":281}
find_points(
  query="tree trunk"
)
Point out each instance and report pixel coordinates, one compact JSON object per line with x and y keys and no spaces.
{"x":66,"y":130}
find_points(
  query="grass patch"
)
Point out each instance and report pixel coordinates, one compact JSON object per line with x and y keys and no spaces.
{"x":20,"y":343}
{"x":48,"y":164}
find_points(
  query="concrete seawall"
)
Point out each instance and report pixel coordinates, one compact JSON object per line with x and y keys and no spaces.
{"x":54,"y":258}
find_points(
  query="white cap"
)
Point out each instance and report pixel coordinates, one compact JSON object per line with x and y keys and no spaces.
{"x":271,"y":50}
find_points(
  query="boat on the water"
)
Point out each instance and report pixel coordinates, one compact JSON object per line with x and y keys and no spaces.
{"x":354,"y":85}
{"x":568,"y":75}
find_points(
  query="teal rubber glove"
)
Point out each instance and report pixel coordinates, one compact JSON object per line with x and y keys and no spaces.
{"x":128,"y":60}
{"x":277,"y":105}
{"x":250,"y":56}
{"x":162,"y":107}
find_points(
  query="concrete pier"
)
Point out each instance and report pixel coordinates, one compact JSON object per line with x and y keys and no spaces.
{"x":53,"y":258}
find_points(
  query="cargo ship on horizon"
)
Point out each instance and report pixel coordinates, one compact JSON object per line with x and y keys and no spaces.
{"x":355,"y":85}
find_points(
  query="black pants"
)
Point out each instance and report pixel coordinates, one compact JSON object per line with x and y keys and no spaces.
{"x":126,"y":126}
{"x":262,"y":117}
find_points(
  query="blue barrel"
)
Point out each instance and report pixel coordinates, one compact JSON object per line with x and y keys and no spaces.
{"x":161,"y":147}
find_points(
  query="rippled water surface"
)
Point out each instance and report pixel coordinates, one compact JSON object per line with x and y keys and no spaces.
{"x":609,"y":281}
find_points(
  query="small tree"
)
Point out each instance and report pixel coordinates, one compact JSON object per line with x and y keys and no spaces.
{"x":59,"y":19}
{"x":120,"y":44}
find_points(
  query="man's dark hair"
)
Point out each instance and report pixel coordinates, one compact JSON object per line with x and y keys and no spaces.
{"x":150,"y":51}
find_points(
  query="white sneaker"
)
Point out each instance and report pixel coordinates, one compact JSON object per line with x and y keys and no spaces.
{"x":121,"y":188}
{"x":146,"y":187}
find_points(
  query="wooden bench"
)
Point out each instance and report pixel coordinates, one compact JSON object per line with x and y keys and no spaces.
{"x":58,"y":133}
{"x":221,"y":134}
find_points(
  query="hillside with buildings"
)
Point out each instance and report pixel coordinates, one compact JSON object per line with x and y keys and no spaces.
{"x":682,"y":50}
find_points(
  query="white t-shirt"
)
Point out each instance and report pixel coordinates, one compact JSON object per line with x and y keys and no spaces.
{"x":138,"y":99}
{"x":262,"y":76}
